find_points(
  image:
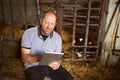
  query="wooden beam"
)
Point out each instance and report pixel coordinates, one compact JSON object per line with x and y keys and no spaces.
{"x":11,"y":18}
{"x":2,"y":11}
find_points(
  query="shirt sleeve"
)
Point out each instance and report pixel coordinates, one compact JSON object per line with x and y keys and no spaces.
{"x":58,"y":44}
{"x":26,"y":42}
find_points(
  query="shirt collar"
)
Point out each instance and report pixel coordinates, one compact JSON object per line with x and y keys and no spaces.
{"x":39,"y":32}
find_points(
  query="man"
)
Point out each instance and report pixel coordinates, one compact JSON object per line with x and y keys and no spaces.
{"x":38,"y":40}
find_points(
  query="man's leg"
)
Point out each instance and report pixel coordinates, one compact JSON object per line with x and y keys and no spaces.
{"x":60,"y":74}
{"x":37,"y":72}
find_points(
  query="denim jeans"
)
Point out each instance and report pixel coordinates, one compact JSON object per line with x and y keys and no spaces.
{"x":40,"y":72}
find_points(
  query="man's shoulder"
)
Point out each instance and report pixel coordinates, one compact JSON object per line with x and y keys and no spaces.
{"x":30,"y":30}
{"x":55,"y":34}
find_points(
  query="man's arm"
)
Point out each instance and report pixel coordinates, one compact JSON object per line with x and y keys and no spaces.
{"x":27,"y":57}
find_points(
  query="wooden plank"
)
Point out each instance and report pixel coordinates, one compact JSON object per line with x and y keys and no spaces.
{"x":25,"y":10}
{"x":2,"y":11}
{"x":1,"y":53}
{"x":11,"y":18}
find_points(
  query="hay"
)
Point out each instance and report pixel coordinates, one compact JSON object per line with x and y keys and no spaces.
{"x":66,"y":36}
{"x":12,"y":68}
{"x":6,"y":30}
{"x":80,"y":70}
{"x":91,"y":71}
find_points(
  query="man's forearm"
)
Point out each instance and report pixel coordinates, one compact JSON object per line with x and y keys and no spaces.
{"x":27,"y":58}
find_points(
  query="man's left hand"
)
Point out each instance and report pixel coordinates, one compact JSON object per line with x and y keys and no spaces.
{"x":54,"y":65}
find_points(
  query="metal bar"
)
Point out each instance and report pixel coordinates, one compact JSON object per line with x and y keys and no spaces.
{"x":74,"y":26}
{"x":80,"y":24}
{"x":85,"y":46}
{"x":2,"y":11}
{"x":93,"y":24}
{"x":11,"y":13}
{"x":81,"y":16}
{"x":99,"y":29}
{"x":98,"y":0}
{"x":67,"y":15}
{"x":87,"y":28}
{"x":94,"y":16}
{"x":96,"y":9}
{"x":43,"y":3}
{"x":74,"y":22}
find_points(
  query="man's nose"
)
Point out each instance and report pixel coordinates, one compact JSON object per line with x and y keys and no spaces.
{"x":49,"y":25}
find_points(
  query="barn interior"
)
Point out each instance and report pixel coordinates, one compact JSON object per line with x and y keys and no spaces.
{"x":89,"y":29}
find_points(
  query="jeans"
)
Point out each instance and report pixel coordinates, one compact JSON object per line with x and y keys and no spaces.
{"x":40,"y":72}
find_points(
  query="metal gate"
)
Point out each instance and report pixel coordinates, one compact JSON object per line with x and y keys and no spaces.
{"x":83,"y":17}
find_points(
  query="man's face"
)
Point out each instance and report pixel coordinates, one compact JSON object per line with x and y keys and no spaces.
{"x":48,"y":23}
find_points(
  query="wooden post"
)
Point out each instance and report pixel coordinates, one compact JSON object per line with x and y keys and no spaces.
{"x":25,"y":12}
{"x":1,"y":55}
{"x":11,"y":13}
{"x":2,"y":11}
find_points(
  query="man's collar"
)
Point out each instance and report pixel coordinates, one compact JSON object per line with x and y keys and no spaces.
{"x":40,"y":34}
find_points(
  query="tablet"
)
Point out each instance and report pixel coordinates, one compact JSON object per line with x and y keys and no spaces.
{"x":49,"y":57}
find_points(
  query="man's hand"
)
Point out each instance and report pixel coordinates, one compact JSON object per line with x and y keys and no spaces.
{"x":54,"y":65}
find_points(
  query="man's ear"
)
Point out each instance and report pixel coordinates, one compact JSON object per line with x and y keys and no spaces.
{"x":40,"y":21}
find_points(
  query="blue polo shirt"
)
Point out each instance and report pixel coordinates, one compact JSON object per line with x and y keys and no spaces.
{"x":33,"y":40}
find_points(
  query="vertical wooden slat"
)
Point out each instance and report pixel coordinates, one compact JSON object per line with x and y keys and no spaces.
{"x":87,"y":27}
{"x":58,"y":18}
{"x":74,"y":22}
{"x":11,"y":18}
{"x":60,"y":12}
{"x":99,"y":43}
{"x":74,"y":26}
{"x":37,"y":12}
{"x":25,"y":10}
{"x":2,"y":11}
{"x":1,"y":54}
{"x":40,"y":7}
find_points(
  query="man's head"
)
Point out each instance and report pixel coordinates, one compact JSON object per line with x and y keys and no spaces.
{"x":48,"y":22}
